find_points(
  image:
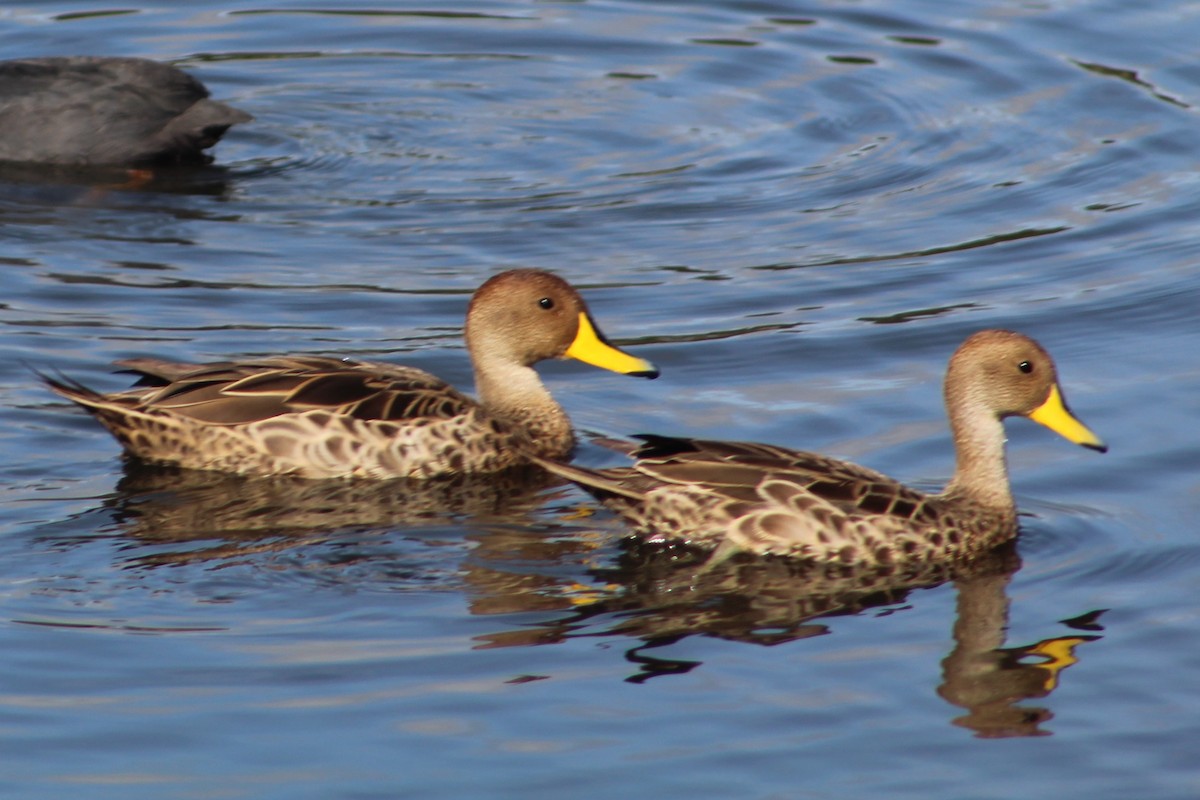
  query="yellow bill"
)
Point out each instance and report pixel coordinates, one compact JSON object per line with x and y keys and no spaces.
{"x":591,"y":347}
{"x":1055,"y":415}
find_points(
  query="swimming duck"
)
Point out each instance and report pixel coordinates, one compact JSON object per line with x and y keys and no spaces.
{"x":320,"y":417}
{"x":739,"y":496}
{"x":93,"y":110}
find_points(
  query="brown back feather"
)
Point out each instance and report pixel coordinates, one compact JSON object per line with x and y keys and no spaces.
{"x":229,"y":394}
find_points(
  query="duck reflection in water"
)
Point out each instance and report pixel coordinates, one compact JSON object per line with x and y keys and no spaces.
{"x":200,"y":515}
{"x":661,"y":595}
{"x":513,"y":563}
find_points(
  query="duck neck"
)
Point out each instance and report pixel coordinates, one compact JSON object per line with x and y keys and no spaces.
{"x":516,"y":395}
{"x":981,"y":471}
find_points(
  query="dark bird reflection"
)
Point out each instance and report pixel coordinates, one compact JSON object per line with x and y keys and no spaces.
{"x":71,"y":186}
{"x":659,"y":596}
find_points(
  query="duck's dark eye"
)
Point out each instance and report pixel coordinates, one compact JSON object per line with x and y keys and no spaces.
{"x":546,"y":302}
{"x":1025,"y":367}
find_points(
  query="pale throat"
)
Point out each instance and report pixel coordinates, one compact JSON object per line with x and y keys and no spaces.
{"x":516,"y":394}
{"x":981,"y":468}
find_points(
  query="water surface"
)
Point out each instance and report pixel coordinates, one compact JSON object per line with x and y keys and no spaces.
{"x":797,"y":210}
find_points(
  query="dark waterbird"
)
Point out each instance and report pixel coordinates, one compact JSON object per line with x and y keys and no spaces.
{"x":107,"y":111}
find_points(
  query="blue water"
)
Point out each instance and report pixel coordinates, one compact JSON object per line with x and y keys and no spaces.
{"x":797,"y":210}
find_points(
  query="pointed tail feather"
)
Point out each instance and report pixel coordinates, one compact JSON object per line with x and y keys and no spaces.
{"x":68,"y":387}
{"x":99,"y":405}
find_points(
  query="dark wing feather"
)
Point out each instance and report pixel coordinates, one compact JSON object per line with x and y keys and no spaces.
{"x":738,"y":470}
{"x":240,"y":393}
